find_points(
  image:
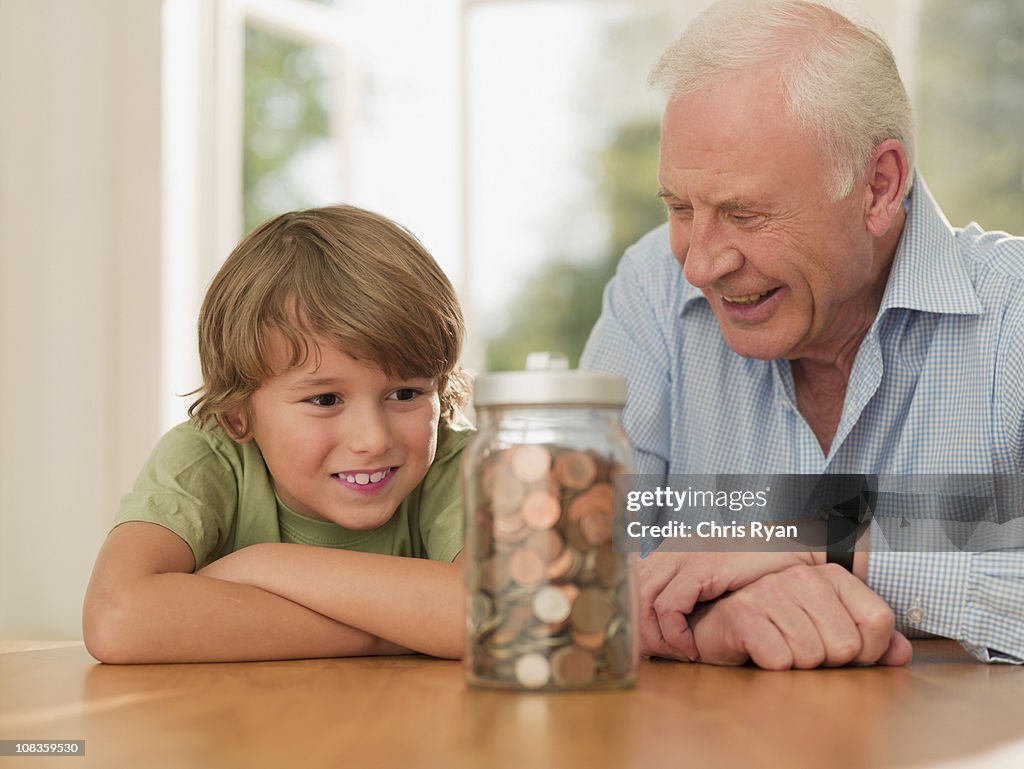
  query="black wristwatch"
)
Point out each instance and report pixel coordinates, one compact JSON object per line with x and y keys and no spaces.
{"x":847,"y":503}
{"x":842,"y":524}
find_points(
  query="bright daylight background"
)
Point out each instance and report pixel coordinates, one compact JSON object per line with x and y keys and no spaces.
{"x":516,"y":138}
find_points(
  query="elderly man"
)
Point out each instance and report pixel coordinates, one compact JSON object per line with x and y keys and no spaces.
{"x":826,"y":319}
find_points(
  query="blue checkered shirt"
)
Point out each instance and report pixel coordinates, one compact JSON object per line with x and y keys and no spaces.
{"x":937,"y":387}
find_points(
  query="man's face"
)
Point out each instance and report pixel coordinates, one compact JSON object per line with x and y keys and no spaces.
{"x":343,"y":441}
{"x":788,"y":272}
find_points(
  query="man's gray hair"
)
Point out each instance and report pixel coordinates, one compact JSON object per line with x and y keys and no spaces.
{"x":839,"y":78}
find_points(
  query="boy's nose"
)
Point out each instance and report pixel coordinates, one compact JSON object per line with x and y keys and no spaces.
{"x":368,"y":432}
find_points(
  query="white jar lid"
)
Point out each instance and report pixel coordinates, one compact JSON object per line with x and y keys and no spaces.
{"x":548,"y":381}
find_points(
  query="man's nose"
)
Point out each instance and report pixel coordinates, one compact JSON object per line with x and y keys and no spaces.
{"x":708,"y":254}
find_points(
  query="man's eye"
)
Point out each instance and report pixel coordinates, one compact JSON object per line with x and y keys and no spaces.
{"x":683,"y":212}
{"x":326,"y":400}
{"x":746,"y":218}
{"x":405,"y":394}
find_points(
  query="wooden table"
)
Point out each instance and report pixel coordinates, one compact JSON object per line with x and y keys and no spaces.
{"x":417,"y":712}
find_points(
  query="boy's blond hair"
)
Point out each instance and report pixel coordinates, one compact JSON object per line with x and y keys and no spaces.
{"x":346,"y":277}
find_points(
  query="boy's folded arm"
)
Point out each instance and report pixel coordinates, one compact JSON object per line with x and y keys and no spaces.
{"x":413,"y":602}
{"x":144,"y":605}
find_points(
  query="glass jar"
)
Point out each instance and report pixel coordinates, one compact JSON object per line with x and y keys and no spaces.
{"x":550,"y":592}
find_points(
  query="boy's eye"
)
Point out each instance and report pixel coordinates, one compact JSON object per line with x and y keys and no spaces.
{"x":404,"y":394}
{"x":326,"y":400}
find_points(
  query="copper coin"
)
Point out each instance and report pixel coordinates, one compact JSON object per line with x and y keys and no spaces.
{"x":573,"y":667}
{"x":598,"y":497}
{"x":530,"y":463}
{"x":575,"y":470}
{"x":589,"y":641}
{"x":526,"y":567}
{"x":507,"y":492}
{"x":574,"y":536}
{"x":541,"y":510}
{"x":561,"y":567}
{"x":592,"y":610}
{"x":547,"y":543}
{"x":510,"y":530}
{"x":609,"y":566}
{"x":596,"y":527}
{"x":571,"y":592}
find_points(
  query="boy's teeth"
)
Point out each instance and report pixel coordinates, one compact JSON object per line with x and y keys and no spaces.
{"x":364,"y":478}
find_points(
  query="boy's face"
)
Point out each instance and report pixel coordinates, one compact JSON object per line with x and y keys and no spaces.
{"x":343,"y":441}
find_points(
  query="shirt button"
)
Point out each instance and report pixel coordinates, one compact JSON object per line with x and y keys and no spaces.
{"x":915,"y":613}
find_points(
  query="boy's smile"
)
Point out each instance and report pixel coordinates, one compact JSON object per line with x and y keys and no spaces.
{"x":343,"y":441}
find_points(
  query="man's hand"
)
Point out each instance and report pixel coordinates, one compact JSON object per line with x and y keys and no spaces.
{"x":802,"y":617}
{"x":672,"y":584}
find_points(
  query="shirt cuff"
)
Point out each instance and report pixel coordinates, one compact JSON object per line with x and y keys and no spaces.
{"x":949,"y":594}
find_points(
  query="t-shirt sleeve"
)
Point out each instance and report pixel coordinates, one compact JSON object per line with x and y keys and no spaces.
{"x":188,"y":486}
{"x":441,"y":510}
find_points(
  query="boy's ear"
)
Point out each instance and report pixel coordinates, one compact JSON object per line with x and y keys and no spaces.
{"x":234,"y":424}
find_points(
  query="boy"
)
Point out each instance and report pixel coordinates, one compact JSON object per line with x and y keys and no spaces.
{"x":311,"y":507}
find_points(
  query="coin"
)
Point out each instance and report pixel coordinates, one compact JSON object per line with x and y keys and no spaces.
{"x":575,"y":470}
{"x":596,"y":527}
{"x":573,"y":667}
{"x":526,"y":567}
{"x":561,"y":567}
{"x":548,"y":544}
{"x":533,"y":670}
{"x":592,"y":610}
{"x":598,"y":498}
{"x":541,"y":510}
{"x":507,"y":492}
{"x":589,"y":641}
{"x":530,"y":462}
{"x":511,"y":528}
{"x":551,"y":605}
{"x":609,"y":566}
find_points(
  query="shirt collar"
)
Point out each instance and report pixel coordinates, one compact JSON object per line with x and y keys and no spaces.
{"x":928,"y":273}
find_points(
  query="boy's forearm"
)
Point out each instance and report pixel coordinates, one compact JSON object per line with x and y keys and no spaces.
{"x":179,"y":617}
{"x":413,"y":602}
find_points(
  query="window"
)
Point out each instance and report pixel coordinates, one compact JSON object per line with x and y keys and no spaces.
{"x":516,"y":138}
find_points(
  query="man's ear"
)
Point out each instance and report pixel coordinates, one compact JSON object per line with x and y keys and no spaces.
{"x":235,"y":425}
{"x":887,"y":175}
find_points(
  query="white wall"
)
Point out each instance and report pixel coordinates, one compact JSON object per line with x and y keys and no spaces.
{"x":79,"y":267}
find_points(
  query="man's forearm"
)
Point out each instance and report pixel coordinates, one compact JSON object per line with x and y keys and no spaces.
{"x":415,"y":603}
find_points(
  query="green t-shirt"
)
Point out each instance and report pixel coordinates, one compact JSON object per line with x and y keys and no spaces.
{"x":218,"y":496}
